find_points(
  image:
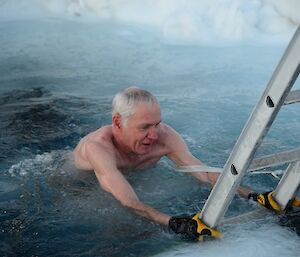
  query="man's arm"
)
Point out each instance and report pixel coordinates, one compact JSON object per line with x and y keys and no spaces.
{"x":181,"y":155}
{"x":113,"y":181}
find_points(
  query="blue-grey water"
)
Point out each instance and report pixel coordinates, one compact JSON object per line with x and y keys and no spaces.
{"x":57,"y":80}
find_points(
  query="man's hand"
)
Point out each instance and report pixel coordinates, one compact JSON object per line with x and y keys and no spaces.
{"x":192,"y":228}
{"x":184,"y":225}
{"x":266,"y":200}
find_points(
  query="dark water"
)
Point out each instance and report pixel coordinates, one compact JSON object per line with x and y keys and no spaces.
{"x":57,"y":80}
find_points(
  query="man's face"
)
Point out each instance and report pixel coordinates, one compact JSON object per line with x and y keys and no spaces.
{"x":142,"y":128}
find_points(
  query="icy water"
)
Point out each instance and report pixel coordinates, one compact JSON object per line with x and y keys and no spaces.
{"x":57,"y":81}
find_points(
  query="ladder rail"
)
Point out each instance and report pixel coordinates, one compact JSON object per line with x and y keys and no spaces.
{"x":288,"y":185}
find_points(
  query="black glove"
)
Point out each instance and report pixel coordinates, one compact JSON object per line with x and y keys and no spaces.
{"x":266,"y":200}
{"x":191,"y":227}
{"x":184,"y":225}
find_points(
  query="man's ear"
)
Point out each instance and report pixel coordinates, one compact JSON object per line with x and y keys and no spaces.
{"x":116,"y":120}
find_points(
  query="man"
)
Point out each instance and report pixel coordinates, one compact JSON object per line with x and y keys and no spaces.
{"x":136,"y":139}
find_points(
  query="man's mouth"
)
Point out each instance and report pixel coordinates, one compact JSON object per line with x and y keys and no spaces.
{"x":146,"y":144}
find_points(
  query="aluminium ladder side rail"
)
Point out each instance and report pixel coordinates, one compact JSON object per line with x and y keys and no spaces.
{"x":254,"y":131}
{"x":288,"y":185}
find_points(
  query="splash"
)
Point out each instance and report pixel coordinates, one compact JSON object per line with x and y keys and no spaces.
{"x":40,"y":164}
{"x":205,"y":21}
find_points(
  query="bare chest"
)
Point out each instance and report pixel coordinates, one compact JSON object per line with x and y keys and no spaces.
{"x":141,"y":161}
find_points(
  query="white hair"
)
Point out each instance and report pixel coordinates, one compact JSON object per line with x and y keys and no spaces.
{"x":125,"y":101}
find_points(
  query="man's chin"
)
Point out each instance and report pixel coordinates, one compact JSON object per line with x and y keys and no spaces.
{"x":144,"y":149}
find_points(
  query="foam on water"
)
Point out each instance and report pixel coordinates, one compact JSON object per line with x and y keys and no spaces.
{"x":24,"y":166}
{"x":262,"y":239}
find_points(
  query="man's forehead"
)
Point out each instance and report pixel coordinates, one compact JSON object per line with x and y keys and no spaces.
{"x":145,"y":108}
{"x":147,"y":113}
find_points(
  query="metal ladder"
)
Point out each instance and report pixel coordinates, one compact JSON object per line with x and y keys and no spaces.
{"x":276,"y":94}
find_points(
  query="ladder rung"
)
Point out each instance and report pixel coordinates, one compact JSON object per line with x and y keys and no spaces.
{"x":246,"y":217}
{"x":293,"y":97}
{"x":275,"y":159}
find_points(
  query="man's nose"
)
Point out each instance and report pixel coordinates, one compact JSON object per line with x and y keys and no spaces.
{"x":152,"y":133}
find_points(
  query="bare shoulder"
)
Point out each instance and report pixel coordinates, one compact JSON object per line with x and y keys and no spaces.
{"x":99,"y":141}
{"x":168,"y":134}
{"x":171,"y":139}
{"x":101,"y":136}
{"x":178,"y":150}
